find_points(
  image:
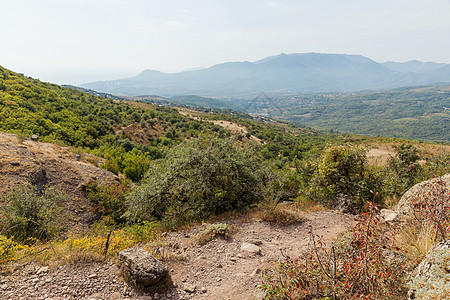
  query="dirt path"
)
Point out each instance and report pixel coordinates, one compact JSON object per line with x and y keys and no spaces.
{"x":217,"y":270}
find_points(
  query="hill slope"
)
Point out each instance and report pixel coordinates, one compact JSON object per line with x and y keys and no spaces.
{"x":283,"y":73}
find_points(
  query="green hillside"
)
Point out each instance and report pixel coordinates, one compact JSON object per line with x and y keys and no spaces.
{"x":412,"y":113}
{"x":130,"y":134}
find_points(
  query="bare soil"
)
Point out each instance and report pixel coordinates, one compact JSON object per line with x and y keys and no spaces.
{"x":218,"y":270}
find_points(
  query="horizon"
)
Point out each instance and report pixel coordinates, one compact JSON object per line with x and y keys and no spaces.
{"x":76,"y":42}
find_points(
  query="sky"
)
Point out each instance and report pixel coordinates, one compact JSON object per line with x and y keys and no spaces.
{"x":80,"y":41}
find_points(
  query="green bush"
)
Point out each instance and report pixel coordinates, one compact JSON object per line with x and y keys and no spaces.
{"x":343,"y":170}
{"x":198,"y":178}
{"x":403,"y":170}
{"x":109,"y":201}
{"x":354,"y":267}
{"x":28,"y":214}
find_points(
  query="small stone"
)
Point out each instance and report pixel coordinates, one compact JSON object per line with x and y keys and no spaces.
{"x":255,"y":272}
{"x":190,"y":288}
{"x":219,"y":266}
{"x":35,"y":137}
{"x":203,"y":290}
{"x":93,"y":276}
{"x":77,"y":157}
{"x":250,"y":248}
{"x":233,"y":259}
{"x":4,"y":286}
{"x":42,"y":270}
{"x":115,"y":296}
{"x":14,"y":163}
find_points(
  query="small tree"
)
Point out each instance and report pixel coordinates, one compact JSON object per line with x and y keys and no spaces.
{"x":405,"y":168}
{"x":198,"y":178}
{"x":344,"y":170}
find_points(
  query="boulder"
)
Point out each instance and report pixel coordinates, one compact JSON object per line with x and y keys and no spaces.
{"x":142,"y":267}
{"x":431,"y":279}
{"x":404,"y":207}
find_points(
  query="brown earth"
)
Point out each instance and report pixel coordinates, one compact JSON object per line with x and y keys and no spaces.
{"x":218,"y":270}
{"x":43,"y":164}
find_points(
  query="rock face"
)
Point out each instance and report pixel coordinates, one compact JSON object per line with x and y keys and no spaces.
{"x":403,"y":206}
{"x":142,"y":267}
{"x":431,"y":279}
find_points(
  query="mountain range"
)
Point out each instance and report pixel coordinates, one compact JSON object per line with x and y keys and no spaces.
{"x":280,"y":74}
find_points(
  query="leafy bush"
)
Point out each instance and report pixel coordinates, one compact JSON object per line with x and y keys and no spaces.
{"x":343,"y":170}
{"x":8,"y":248}
{"x":199,"y":178}
{"x":28,"y":214}
{"x":403,"y":169}
{"x":357,"y":269}
{"x":109,"y":201}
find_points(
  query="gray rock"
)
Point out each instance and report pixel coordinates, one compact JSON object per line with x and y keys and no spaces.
{"x":190,"y":288}
{"x":431,"y":279}
{"x":35,"y":137}
{"x":142,"y":266}
{"x":115,"y":296}
{"x":389,"y":215}
{"x":250,"y":248}
{"x":42,"y":270}
{"x":404,"y":207}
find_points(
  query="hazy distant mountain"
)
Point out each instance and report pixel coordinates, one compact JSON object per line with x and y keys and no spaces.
{"x":283,"y":73}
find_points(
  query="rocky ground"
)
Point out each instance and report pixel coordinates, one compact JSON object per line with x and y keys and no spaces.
{"x":44,"y":164}
{"x":220,"y":269}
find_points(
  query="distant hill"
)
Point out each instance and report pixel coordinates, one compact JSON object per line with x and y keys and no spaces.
{"x":282,"y":74}
{"x":420,"y":113}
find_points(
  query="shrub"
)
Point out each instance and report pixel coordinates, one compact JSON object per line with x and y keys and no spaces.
{"x":343,"y":170}
{"x":29,"y":215}
{"x":212,"y":231}
{"x":198,"y":178}
{"x":357,"y":269}
{"x":433,"y":207}
{"x":109,"y":201}
{"x":402,"y":169}
{"x":8,"y":248}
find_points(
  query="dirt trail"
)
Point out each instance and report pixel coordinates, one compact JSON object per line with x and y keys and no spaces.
{"x":224,"y":271}
{"x":217,"y":270}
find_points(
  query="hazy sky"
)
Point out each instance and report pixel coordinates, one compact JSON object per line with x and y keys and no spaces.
{"x":78,"y":41}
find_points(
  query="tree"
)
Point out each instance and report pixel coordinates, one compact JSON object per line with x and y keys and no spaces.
{"x":343,"y":170}
{"x":197,"y":178}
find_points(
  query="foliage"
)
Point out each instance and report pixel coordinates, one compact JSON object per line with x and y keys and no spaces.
{"x":212,"y":231}
{"x":343,"y":170}
{"x":109,"y":201}
{"x":402,"y":169}
{"x":433,"y":207}
{"x":411,"y":113}
{"x":199,"y":178}
{"x":355,"y":270}
{"x":28,"y":214}
{"x":9,"y":248}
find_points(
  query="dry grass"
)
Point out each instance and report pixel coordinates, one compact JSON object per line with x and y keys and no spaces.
{"x":281,"y":214}
{"x":417,"y":239}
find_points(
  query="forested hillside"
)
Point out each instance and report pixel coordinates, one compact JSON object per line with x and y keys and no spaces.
{"x":413,"y":113}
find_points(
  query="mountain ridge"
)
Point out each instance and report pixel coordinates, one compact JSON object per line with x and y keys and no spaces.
{"x":283,"y":73}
